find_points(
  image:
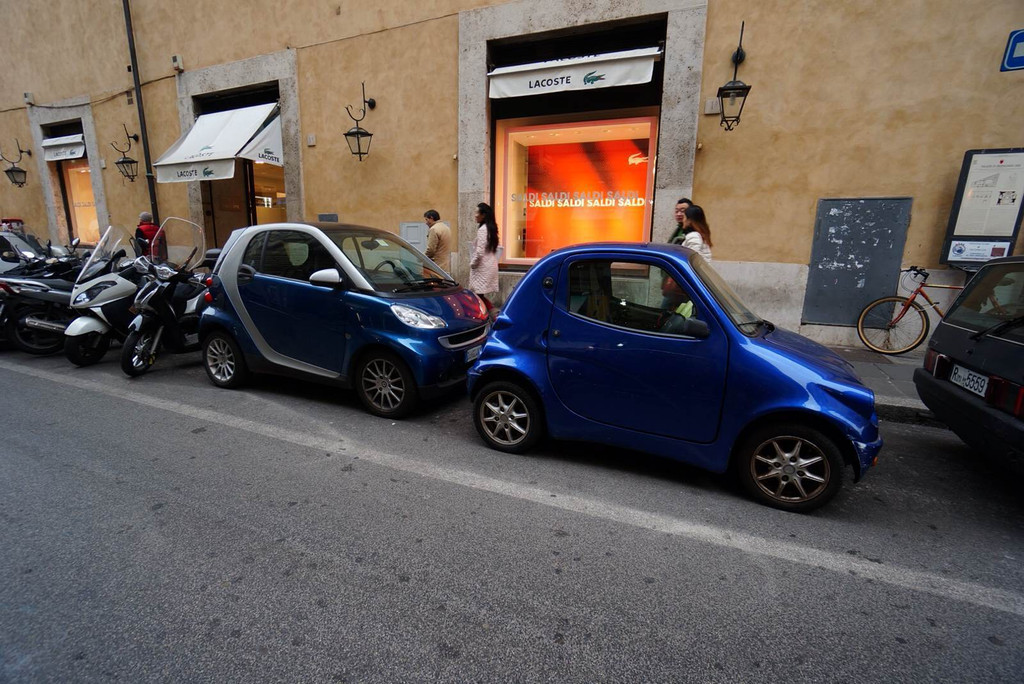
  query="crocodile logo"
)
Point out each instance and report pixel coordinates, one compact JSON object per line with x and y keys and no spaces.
{"x":267,"y":150}
{"x":592,"y":78}
{"x":207,"y":172}
{"x":637,"y":158}
{"x":205,"y":147}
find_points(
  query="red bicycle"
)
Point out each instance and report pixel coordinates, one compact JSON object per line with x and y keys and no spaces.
{"x":896,"y":324}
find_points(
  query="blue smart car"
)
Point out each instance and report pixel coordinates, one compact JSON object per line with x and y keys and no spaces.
{"x":348,"y":305}
{"x":646,"y":347}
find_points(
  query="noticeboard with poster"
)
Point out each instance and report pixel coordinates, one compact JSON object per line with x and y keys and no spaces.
{"x":986,"y":214}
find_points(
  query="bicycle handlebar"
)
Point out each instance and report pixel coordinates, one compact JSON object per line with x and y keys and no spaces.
{"x":917,"y":271}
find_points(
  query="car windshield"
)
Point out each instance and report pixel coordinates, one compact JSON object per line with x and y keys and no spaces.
{"x":993,"y":301}
{"x":388,"y":262}
{"x":742,"y":317}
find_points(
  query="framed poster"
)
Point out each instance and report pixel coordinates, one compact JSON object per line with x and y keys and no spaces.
{"x":986,"y":214}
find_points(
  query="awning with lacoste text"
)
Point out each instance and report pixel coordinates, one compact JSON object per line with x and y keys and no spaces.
{"x":208,"y":150}
{"x":64,"y":147}
{"x":629,"y":67}
{"x":266,"y":146}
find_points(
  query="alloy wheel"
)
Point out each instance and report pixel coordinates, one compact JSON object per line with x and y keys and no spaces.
{"x":220,"y":360}
{"x":141,"y":354}
{"x":790,"y":469}
{"x":383,"y":385}
{"x":505,"y":418}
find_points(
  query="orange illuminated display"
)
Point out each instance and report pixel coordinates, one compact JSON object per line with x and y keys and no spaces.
{"x":567,"y":184}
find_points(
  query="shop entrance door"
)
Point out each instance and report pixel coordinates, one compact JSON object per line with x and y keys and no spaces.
{"x":254,"y":196}
{"x":79,"y":201}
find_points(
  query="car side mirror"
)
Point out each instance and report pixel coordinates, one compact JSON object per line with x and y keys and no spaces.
{"x":326,"y":277}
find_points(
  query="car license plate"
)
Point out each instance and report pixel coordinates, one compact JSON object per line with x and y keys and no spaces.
{"x":969,"y":380}
{"x":472,"y":353}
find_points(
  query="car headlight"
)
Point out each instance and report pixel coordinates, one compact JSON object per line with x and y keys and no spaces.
{"x":91,"y":293}
{"x":415,"y":318}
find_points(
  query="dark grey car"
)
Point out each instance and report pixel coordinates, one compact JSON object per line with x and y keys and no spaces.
{"x":973,"y":374}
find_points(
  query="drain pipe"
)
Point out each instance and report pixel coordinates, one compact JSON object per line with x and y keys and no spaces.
{"x":150,"y":178}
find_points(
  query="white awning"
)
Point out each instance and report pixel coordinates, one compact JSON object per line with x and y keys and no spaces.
{"x":630,"y":67}
{"x":64,"y":147}
{"x":208,"y":150}
{"x":266,"y":146}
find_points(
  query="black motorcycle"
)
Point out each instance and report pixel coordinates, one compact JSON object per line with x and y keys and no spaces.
{"x":169,"y":303}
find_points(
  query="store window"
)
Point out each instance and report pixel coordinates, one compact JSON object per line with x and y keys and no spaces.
{"x":80,"y":203}
{"x":560,"y":184}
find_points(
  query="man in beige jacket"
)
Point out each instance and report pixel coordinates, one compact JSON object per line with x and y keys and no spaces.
{"x":439,"y":240}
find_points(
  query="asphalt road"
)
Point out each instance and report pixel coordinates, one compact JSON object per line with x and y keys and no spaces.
{"x":161,"y":529}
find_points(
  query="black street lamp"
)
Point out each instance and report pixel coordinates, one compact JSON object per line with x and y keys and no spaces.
{"x":15,"y":173}
{"x":358,"y":138}
{"x":733,"y":95}
{"x":128,"y":167}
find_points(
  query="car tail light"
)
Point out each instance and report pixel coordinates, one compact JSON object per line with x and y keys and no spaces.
{"x":929,"y":360}
{"x":1006,"y":396}
{"x":208,"y":297}
{"x":208,"y":282}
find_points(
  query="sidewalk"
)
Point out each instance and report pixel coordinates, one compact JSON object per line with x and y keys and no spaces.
{"x":891,"y":379}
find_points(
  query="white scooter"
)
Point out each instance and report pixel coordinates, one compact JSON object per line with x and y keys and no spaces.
{"x":103,"y":295}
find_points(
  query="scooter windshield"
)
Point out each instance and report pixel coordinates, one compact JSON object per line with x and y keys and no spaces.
{"x":179,"y":244}
{"x":113,"y":244}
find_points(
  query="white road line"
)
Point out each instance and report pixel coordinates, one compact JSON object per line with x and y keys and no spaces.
{"x":926,"y":582}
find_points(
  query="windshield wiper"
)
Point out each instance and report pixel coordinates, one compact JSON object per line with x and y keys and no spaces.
{"x":998,"y":327}
{"x":425,"y":283}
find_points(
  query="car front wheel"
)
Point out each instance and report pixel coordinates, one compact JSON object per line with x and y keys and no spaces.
{"x":508,"y":417}
{"x":386,"y":385}
{"x":791,"y":467}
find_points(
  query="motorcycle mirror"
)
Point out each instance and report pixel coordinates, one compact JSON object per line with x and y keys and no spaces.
{"x":10,"y":257}
{"x":75,"y":243}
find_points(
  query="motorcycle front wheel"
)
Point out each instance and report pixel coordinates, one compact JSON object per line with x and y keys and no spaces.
{"x":137,"y":354}
{"x":85,"y":350}
{"x":33,"y":340}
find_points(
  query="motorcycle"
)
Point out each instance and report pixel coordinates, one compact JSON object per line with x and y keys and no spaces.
{"x":34,"y":295}
{"x":103,"y":295}
{"x":169,"y":301}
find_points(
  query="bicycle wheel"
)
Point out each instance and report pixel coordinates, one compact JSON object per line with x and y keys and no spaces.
{"x":878,"y":332}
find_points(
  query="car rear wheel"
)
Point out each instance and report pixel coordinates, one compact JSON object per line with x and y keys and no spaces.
{"x":385,"y":385}
{"x":791,"y":467}
{"x":223,"y":360}
{"x":508,"y":417}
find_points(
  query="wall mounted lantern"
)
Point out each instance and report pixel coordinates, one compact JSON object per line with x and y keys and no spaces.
{"x":359,"y":138}
{"x":15,"y":173}
{"x":733,"y":95}
{"x":128,"y":167}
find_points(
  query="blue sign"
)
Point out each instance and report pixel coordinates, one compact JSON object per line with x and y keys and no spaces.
{"x":1014,"y":57}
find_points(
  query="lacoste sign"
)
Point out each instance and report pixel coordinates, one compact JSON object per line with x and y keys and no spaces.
{"x":629,"y":67}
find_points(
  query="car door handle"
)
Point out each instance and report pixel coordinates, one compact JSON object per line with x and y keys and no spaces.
{"x":246,"y":272}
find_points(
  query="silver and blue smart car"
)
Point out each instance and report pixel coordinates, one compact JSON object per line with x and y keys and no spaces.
{"x":349,"y":305}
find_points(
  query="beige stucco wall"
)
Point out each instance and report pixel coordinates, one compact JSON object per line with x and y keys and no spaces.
{"x":411,"y":166}
{"x":27,"y":202}
{"x":851,"y":99}
{"x":206,"y":33}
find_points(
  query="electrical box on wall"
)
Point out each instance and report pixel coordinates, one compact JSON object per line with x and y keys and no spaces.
{"x":177,"y":64}
{"x":712,"y":106}
{"x":30,"y":99}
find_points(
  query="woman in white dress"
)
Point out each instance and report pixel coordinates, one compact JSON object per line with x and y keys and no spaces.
{"x":483,"y":269}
